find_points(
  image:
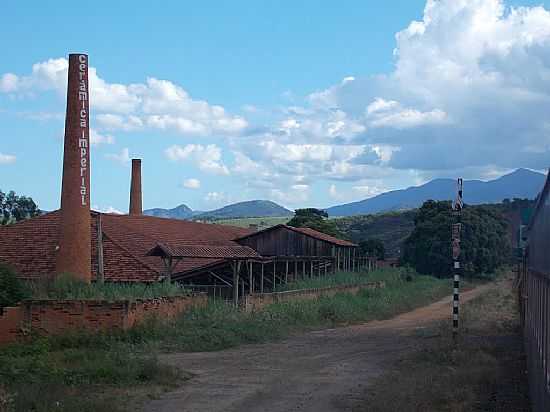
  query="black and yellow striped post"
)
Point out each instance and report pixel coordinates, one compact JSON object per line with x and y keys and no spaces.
{"x":455,"y":241}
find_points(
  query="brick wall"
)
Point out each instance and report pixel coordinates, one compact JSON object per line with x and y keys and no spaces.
{"x":11,"y":320}
{"x":257,"y":301}
{"x":49,"y":317}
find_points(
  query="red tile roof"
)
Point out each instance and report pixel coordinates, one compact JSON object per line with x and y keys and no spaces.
{"x":203,"y":251}
{"x":30,"y":246}
{"x":305,"y":231}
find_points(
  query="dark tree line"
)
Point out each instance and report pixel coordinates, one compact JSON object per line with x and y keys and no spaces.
{"x":485,"y":242}
{"x":373,"y":247}
{"x":14,"y":208}
{"x":316,"y":219}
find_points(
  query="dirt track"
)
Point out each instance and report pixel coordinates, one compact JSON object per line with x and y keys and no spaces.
{"x":321,"y":371}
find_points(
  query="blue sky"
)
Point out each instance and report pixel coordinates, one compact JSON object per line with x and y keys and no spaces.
{"x":304,"y":103}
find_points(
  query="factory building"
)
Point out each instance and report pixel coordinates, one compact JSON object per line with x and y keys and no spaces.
{"x":101,"y":247}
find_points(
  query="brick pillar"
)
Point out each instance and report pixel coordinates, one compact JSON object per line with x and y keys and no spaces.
{"x":74,"y":254}
{"x":135,"y":188}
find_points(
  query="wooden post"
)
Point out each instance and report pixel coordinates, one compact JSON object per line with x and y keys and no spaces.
{"x":250,"y":279}
{"x":262,"y":280}
{"x":274,"y":270}
{"x":295,"y":269}
{"x":303,"y":269}
{"x":326,"y":264}
{"x":353,"y":260}
{"x":311,"y":269}
{"x":286,"y":272}
{"x":235,"y":283}
{"x":319,"y":269}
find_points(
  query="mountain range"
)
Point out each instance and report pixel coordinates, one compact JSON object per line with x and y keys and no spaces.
{"x":251,"y":208}
{"x":522,"y":183}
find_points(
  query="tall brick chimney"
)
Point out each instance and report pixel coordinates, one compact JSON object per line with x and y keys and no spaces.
{"x":135,"y":188}
{"x":74,"y":254}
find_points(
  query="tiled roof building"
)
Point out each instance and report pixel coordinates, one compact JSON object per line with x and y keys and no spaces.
{"x":30,"y":246}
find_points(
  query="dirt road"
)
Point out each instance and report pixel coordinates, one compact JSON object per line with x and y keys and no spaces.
{"x":321,"y":371}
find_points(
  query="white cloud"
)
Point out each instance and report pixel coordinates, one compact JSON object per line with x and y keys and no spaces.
{"x":215,"y":198}
{"x":156,"y":104}
{"x":8,"y":83}
{"x":294,"y":195}
{"x":97,"y":138}
{"x":333,"y":192}
{"x":192,"y":183}
{"x":108,"y":209}
{"x":6,"y":159}
{"x":207,"y":158}
{"x":123,"y":157}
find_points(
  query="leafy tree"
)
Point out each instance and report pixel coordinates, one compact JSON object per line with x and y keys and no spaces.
{"x":373,"y":247}
{"x":316,"y":219}
{"x":485,"y":244}
{"x":12,"y":289}
{"x":14,"y":208}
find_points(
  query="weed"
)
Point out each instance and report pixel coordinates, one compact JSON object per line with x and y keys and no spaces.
{"x":484,"y":371}
{"x":66,"y":286}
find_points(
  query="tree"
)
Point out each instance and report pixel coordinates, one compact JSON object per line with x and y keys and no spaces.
{"x":373,"y":247}
{"x":12,"y":289}
{"x":316,"y":219}
{"x":14,"y":208}
{"x":485,"y":244}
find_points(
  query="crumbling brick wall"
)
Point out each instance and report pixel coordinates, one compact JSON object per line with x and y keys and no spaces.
{"x":50,"y":317}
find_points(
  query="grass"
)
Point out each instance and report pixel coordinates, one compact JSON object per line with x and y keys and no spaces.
{"x":262,"y":222}
{"x":66,"y":287}
{"x":339,"y":279}
{"x":220,"y":326}
{"x":484,"y":371}
{"x":93,"y":372}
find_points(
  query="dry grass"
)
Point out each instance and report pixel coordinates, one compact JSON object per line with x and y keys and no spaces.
{"x":484,"y":371}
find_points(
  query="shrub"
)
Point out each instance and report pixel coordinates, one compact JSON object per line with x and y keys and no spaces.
{"x":12,"y":289}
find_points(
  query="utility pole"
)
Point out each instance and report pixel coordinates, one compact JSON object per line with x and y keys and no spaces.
{"x":455,"y":241}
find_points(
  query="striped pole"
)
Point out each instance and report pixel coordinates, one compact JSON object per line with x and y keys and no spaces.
{"x":455,"y":241}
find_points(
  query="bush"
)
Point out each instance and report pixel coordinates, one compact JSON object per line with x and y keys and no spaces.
{"x":12,"y":289}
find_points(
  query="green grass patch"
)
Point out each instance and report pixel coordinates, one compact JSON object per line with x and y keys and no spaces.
{"x":35,"y":376}
{"x":338,"y":279}
{"x":219,"y":325}
{"x":67,"y":287}
{"x":484,"y":371}
{"x":262,"y":222}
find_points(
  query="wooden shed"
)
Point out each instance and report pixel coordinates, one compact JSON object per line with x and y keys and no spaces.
{"x":288,"y":241}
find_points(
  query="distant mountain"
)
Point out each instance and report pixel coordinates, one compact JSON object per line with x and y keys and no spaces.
{"x":522,"y":183}
{"x":253,"y":208}
{"x":179,"y":212}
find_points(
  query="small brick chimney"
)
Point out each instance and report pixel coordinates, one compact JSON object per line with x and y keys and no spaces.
{"x":135,"y":189}
{"x":74,"y":253}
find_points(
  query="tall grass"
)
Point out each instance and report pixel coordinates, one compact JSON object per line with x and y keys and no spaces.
{"x":38,"y":372}
{"x":483,"y":371}
{"x":338,"y":279}
{"x":67,"y":287}
{"x":220,"y":325}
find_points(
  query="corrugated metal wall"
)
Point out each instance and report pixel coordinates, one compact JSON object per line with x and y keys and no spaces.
{"x":536,"y":304}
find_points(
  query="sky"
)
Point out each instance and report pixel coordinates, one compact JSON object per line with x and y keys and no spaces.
{"x":308,"y":104}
